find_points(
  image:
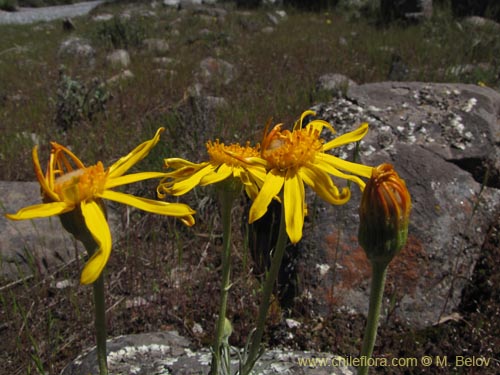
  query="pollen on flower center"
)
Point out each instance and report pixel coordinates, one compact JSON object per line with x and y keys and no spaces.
{"x":81,"y":184}
{"x":285,"y":149}
{"x":231,"y":155}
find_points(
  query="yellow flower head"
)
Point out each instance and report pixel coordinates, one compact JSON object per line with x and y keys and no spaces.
{"x":68,"y":185}
{"x":225,"y":161}
{"x":293,"y":158}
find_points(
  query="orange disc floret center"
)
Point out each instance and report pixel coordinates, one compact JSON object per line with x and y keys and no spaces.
{"x":231,"y":155}
{"x":81,"y":184}
{"x":285,"y":149}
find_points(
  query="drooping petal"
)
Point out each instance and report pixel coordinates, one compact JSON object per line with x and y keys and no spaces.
{"x":217,"y":175}
{"x":40,"y":210}
{"x":258,"y":172}
{"x":272,"y":186}
{"x":176,"y":163}
{"x":319,"y":125}
{"x":334,"y":166}
{"x":256,"y":161}
{"x":41,"y":178}
{"x":131,"y":178}
{"x":323,"y":185}
{"x":150,"y":205}
{"x":294,"y":198}
{"x":183,"y":185}
{"x":137,"y":154}
{"x":350,"y":137}
{"x":98,"y":227}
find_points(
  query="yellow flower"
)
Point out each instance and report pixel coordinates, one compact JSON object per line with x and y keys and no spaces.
{"x":293,"y":158}
{"x":225,"y":161}
{"x":68,"y":185}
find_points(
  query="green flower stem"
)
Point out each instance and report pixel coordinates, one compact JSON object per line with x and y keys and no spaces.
{"x":226,"y":198}
{"x":99,"y":303}
{"x":100,"y":324}
{"x":99,"y":309}
{"x":379,"y":272}
{"x":74,"y":223}
{"x":271,"y":276}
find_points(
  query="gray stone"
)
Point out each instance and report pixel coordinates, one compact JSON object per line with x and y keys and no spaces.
{"x":119,"y":58}
{"x":482,"y":8}
{"x":268,"y":30}
{"x":103,"y":17}
{"x":78,"y":49}
{"x":30,"y":246}
{"x":155,"y":45}
{"x":171,"y":3}
{"x":482,"y":22}
{"x":210,"y":13}
{"x":443,"y":140}
{"x":187,"y":3}
{"x":276,"y":17}
{"x":121,"y":77}
{"x":334,"y":83}
{"x":38,"y":246}
{"x":167,"y":353}
{"x":405,"y":9}
{"x":218,"y":70}
{"x":165,"y":61}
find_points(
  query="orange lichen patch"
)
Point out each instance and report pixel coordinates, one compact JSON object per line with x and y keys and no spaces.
{"x":407,"y":268}
{"x":352,"y":268}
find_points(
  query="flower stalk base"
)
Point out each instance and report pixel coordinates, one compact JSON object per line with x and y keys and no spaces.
{"x":100,"y":324}
{"x":379,"y":272}
{"x":228,"y":191}
{"x":271,"y":277}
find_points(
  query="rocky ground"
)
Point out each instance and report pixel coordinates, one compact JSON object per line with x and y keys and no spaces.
{"x":442,"y":298}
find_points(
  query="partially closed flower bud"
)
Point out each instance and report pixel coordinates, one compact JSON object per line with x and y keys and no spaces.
{"x":384,"y":214}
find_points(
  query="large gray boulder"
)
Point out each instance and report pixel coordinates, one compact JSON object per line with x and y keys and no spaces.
{"x":443,"y":139}
{"x":30,"y":246}
{"x":482,"y":8}
{"x":167,"y":353}
{"x":38,"y":246}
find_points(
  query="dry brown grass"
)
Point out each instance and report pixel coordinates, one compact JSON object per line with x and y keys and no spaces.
{"x":42,"y":326}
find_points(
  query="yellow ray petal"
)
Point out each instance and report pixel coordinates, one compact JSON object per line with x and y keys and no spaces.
{"x":218,"y":175}
{"x":294,"y":205}
{"x":98,"y":227}
{"x":323,"y":185}
{"x":41,"y":178}
{"x":272,"y":186}
{"x":257,"y":172}
{"x":183,"y":185}
{"x":176,"y":163}
{"x":333,"y":165}
{"x":256,"y":161}
{"x":40,"y":210}
{"x":136,"y":155}
{"x":350,"y":137}
{"x":319,"y":125}
{"x":149,"y":205}
{"x":131,"y":178}
{"x":298,"y":123}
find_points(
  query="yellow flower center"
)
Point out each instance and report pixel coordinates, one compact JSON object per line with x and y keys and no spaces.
{"x":231,"y":155}
{"x":81,"y":184}
{"x":286,"y":149}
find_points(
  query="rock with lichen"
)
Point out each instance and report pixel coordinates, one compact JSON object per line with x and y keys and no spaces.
{"x":443,"y":140}
{"x":167,"y":353}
